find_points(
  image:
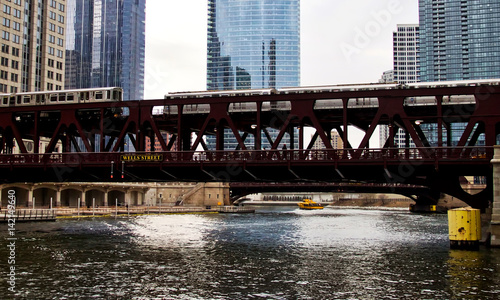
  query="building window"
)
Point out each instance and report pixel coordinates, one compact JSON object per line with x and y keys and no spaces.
{"x":6,"y":9}
{"x":17,"y":13}
{"x":5,"y":35}
{"x":6,"y":22}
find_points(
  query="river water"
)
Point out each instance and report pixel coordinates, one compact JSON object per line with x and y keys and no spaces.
{"x":276,"y":253}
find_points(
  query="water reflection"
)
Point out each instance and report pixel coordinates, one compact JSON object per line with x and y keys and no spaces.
{"x":471,"y":273}
{"x":280,"y":253}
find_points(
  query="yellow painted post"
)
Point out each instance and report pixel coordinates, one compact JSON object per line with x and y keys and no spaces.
{"x":464,"y":227}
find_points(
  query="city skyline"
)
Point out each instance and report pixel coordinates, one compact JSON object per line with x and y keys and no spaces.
{"x":176,"y":58}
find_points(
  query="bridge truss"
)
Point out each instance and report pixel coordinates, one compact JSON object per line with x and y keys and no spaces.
{"x":87,"y":141}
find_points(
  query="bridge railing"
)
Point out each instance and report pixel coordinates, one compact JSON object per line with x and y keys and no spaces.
{"x":382,"y":154}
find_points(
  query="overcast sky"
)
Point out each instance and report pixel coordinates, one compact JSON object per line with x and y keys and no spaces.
{"x":341,"y":42}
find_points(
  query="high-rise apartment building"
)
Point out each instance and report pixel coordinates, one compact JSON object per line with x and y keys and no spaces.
{"x":459,"y":39}
{"x":406,"y":62}
{"x":406,"y":54}
{"x":32,"y":40}
{"x":106,"y":45}
{"x":252,"y":45}
{"x":387,"y":77}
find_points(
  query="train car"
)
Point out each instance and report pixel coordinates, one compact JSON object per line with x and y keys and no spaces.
{"x":222,"y":93}
{"x":337,"y":88}
{"x":105,"y":94}
{"x":457,"y":83}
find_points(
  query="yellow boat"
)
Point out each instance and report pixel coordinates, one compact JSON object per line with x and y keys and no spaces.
{"x":309,"y":204}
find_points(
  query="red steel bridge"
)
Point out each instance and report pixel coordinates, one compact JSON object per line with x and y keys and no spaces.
{"x":85,"y":141}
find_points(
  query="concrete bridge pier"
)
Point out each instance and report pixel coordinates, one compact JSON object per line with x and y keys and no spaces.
{"x":495,"y":214}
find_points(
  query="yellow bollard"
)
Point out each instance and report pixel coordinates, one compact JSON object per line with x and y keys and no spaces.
{"x":464,"y":227}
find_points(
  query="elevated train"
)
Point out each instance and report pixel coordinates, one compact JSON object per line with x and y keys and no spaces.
{"x":327,"y":103}
{"x":90,"y":95}
{"x":330,"y":88}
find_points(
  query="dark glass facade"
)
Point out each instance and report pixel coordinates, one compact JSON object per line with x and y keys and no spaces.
{"x":459,"y":39}
{"x":105,"y":45}
{"x":253,"y":44}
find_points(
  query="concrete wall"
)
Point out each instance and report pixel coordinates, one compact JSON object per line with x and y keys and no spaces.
{"x":189,"y":194}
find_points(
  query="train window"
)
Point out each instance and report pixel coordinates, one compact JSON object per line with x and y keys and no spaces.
{"x":12,"y":100}
{"x":53,"y":98}
{"x":117,"y":95}
{"x":98,"y":95}
{"x":85,"y":96}
{"x":40,"y":98}
{"x":108,"y":95}
{"x":70,"y":97}
{"x":26,"y":99}
{"x":5,"y":100}
{"x":19,"y":99}
{"x":62,"y":97}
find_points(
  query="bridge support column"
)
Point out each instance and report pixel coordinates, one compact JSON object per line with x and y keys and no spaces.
{"x":127,"y":197}
{"x":106,"y":198}
{"x":84,"y":197}
{"x":31,"y":201}
{"x":495,"y":216}
{"x":57,"y":203}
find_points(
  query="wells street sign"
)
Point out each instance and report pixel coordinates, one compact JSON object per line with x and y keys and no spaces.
{"x":141,"y":157}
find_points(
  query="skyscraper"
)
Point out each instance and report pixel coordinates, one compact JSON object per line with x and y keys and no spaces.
{"x":406,"y":61}
{"x":252,"y":45}
{"x":406,"y":54}
{"x":32,"y":53}
{"x":459,"y":39}
{"x":106,"y":45}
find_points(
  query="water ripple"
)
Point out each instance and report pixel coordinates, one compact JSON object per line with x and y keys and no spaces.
{"x":280,"y":253}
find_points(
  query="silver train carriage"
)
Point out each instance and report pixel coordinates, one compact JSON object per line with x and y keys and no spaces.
{"x":90,"y":95}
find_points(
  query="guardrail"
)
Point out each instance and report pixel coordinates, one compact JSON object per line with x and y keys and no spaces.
{"x":383,"y":154}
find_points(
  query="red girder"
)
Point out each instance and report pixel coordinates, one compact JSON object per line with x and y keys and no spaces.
{"x":68,"y":123}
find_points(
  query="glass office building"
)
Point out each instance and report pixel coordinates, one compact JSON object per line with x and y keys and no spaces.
{"x":252,"y":44}
{"x":105,"y":45}
{"x":459,"y":39}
